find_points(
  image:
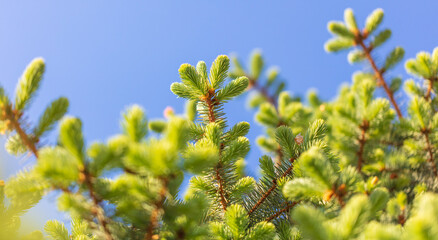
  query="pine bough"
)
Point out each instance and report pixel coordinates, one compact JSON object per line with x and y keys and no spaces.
{"x":357,"y":167}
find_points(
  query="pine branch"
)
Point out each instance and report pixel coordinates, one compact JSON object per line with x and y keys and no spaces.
{"x":210,"y":104}
{"x":362,"y":140}
{"x":253,"y":84}
{"x":279,"y":156}
{"x":281,"y":211}
{"x":96,"y":204}
{"x":359,"y":39}
{"x":272,"y":188}
{"x":14,"y":119}
{"x":221,"y":188}
{"x":154,"y":218}
{"x":209,"y":101}
{"x":430,"y":88}
{"x":429,"y":149}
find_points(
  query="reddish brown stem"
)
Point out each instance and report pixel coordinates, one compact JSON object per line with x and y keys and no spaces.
{"x":14,"y":120}
{"x":429,"y":149}
{"x":378,"y":73}
{"x":221,"y":189}
{"x":279,"y":156}
{"x":429,"y":90}
{"x":340,"y":200}
{"x":154,"y":218}
{"x":208,"y":99}
{"x":281,"y":211}
{"x":362,"y":140}
{"x":96,"y":206}
{"x":272,"y":188}
{"x":210,"y":105}
{"x":253,"y":84}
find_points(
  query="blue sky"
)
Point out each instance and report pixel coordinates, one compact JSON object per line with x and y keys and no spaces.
{"x":106,"y":55}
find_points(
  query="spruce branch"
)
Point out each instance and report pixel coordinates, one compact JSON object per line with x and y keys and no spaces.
{"x":254,"y":84}
{"x":429,"y":150}
{"x":221,"y":186}
{"x":288,"y":206}
{"x":273,"y":187}
{"x":14,"y":119}
{"x":96,"y":205}
{"x":362,"y":140}
{"x":13,"y":116}
{"x":158,"y":205}
{"x":210,"y":100}
{"x":359,"y":39}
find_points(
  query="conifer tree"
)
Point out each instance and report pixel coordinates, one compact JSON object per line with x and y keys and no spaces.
{"x":357,"y":167}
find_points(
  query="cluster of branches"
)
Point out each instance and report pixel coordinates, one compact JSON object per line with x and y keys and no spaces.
{"x":357,"y":167}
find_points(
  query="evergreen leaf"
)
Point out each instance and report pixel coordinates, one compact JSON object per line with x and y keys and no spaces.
{"x":134,"y":123}
{"x":350,"y":20}
{"x":56,"y":230}
{"x":381,"y":38}
{"x":237,"y":221}
{"x":53,"y":113}
{"x":373,"y":20}
{"x":338,"y":44}
{"x":311,"y":222}
{"x":232,"y":89}
{"x":339,"y":28}
{"x":261,"y":230}
{"x":256,"y":64}
{"x":394,"y":57}
{"x":29,"y":83}
{"x":70,"y":135}
{"x":218,"y":71}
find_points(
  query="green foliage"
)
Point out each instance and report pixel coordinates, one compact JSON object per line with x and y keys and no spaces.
{"x":340,"y":169}
{"x":53,"y":113}
{"x":134,"y":123}
{"x":29,"y":83}
{"x":70,"y":136}
{"x":374,"y":20}
{"x":56,"y":230}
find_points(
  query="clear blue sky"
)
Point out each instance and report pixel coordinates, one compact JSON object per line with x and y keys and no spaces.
{"x":106,"y":55}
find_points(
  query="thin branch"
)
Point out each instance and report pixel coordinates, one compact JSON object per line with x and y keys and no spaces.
{"x":379,"y":73}
{"x":154,"y":218}
{"x":429,"y":90}
{"x":96,"y":205}
{"x":281,"y":211}
{"x":253,"y":84}
{"x":14,"y":118}
{"x":221,"y":189}
{"x":272,"y":188}
{"x":362,"y":140}
{"x":429,"y":149}
{"x":209,"y":100}
{"x":210,"y":105}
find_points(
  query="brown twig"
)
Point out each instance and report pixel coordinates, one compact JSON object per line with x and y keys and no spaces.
{"x":429,"y":90}
{"x":362,"y":140}
{"x":14,"y":119}
{"x":221,"y":188}
{"x":210,"y":101}
{"x":278,"y":213}
{"x":154,"y":218}
{"x":253,"y":84}
{"x":96,"y":205}
{"x":359,"y":39}
{"x":272,"y":188}
{"x":429,"y":149}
